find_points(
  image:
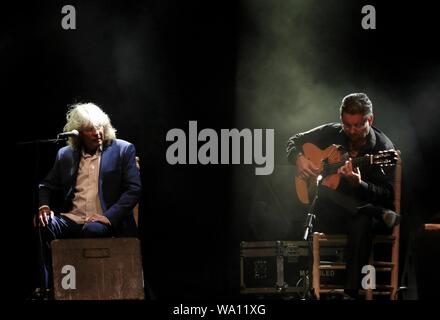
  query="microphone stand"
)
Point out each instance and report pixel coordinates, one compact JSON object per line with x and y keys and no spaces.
{"x":43,"y":276}
{"x":309,"y":293}
{"x":41,"y":141}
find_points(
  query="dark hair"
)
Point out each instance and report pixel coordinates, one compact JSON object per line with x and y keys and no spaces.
{"x":357,"y":103}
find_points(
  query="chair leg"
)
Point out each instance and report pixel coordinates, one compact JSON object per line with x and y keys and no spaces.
{"x":316,"y":265}
{"x":395,"y":260}
{"x":369,"y":292}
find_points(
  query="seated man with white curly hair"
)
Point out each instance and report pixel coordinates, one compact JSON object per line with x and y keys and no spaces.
{"x":97,"y":177}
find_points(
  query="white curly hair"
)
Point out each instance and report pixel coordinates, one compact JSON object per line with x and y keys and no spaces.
{"x":82,"y":115}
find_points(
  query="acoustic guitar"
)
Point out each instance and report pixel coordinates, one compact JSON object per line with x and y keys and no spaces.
{"x":329,"y":161}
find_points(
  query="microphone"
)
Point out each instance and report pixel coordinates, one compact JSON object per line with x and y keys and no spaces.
{"x":64,"y":135}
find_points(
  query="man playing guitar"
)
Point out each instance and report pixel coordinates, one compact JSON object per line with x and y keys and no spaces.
{"x":355,"y":161}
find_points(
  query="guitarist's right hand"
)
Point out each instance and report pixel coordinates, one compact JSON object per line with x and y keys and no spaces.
{"x":306,"y":168}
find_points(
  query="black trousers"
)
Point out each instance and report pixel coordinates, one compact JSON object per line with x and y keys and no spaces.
{"x":337,"y":213}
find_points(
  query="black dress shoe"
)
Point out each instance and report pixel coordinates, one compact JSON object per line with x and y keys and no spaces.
{"x":339,"y":296}
{"x":390,"y":218}
{"x":347,"y":297}
{"x":41,"y":294}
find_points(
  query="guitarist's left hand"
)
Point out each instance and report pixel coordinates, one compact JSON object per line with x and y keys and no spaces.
{"x":352,"y":175}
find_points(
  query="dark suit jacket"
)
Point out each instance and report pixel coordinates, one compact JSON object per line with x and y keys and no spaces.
{"x":119,"y":183}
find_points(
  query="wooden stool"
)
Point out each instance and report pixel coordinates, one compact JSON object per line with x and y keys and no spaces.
{"x":97,"y":269}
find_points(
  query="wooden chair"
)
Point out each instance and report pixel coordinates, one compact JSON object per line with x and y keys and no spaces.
{"x":321,"y":241}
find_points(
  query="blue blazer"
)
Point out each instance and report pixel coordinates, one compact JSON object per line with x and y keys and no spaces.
{"x":119,"y":183}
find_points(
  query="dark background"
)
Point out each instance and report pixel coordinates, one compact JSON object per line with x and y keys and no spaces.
{"x":155,"y":65}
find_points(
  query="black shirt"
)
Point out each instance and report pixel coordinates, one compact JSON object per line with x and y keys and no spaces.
{"x":377,"y":183}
